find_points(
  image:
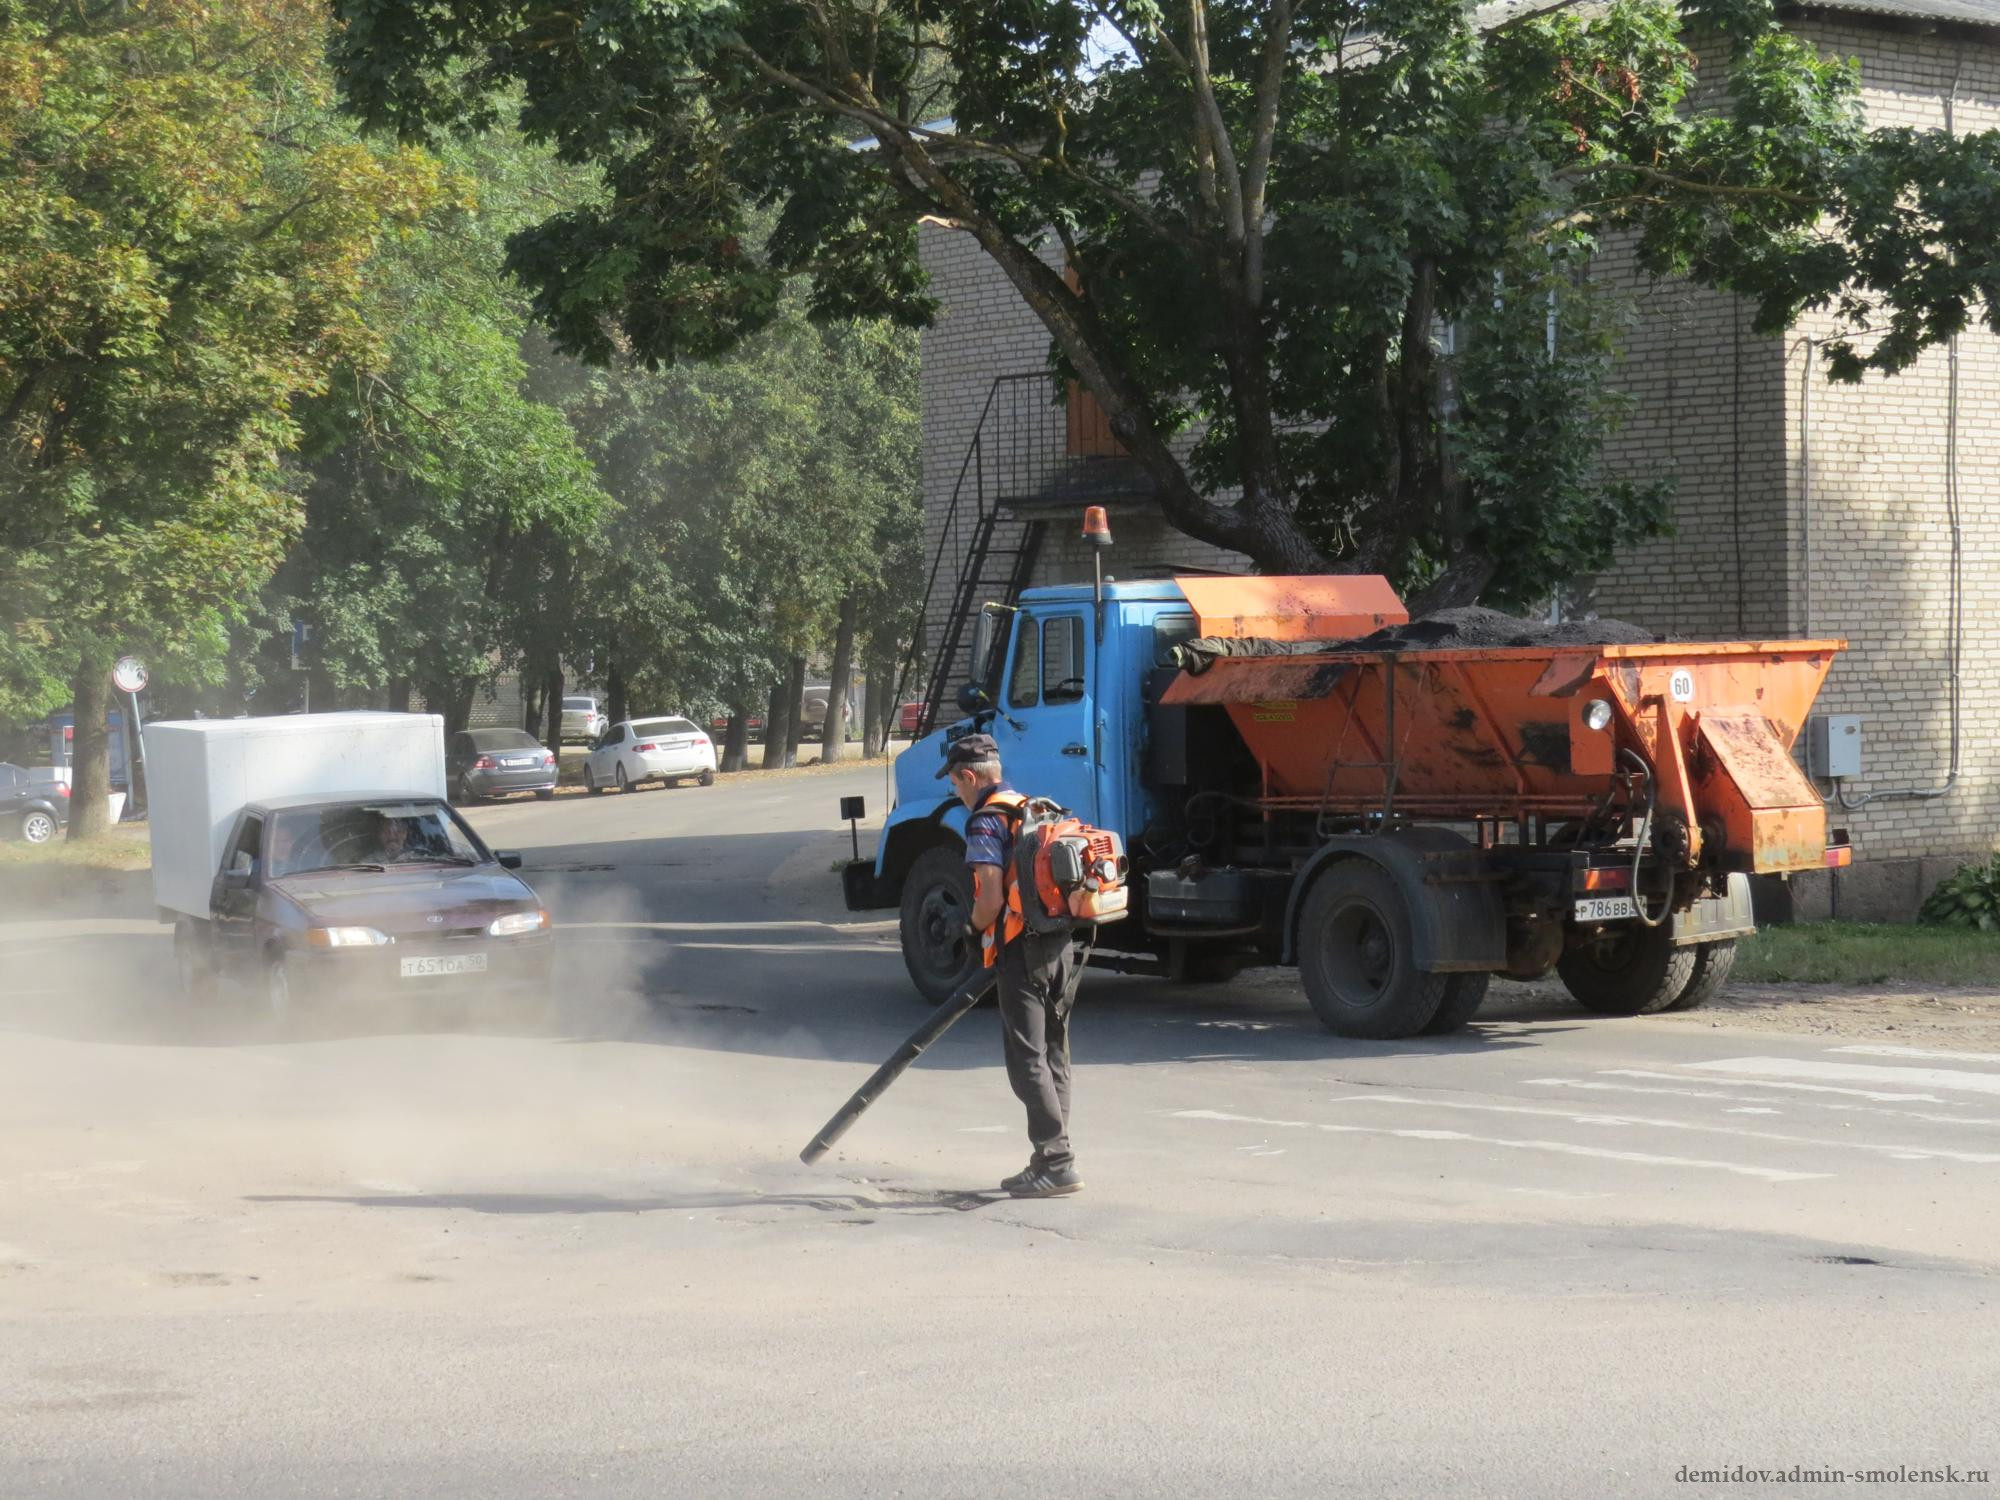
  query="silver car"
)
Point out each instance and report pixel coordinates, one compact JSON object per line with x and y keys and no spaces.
{"x":582,"y":719}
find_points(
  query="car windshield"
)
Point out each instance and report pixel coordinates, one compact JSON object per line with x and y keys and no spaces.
{"x":369,"y":834}
{"x":585,"y":704}
{"x":503,"y":739}
{"x":644,"y":727}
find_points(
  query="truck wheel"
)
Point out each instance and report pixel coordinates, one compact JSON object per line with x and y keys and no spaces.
{"x":1357,"y":956}
{"x":1713,"y":964}
{"x":194,"y":960}
{"x":1463,"y":995}
{"x":937,"y":904}
{"x":1627,"y":970}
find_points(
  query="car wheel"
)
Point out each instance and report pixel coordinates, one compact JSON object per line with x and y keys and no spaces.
{"x":624,"y":781}
{"x":194,"y":959}
{"x":590,"y":781}
{"x":461,"y":792}
{"x":277,"y":990}
{"x":38,"y":827}
{"x":707,"y":778}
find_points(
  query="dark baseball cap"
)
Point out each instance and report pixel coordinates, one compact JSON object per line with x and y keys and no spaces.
{"x":967,"y":750}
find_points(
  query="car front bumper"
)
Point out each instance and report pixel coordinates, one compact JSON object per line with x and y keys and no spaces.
{"x":517,"y":964}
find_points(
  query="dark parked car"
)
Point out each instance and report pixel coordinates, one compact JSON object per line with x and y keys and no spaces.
{"x":487,"y":762}
{"x":365,"y":897}
{"x":34,"y":805}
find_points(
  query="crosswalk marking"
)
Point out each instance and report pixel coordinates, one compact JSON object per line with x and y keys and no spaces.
{"x":1863,"y":1109}
{"x":1804,"y":1088}
{"x":1890,"y":1051}
{"x":1789,"y":1067}
{"x":1561,"y":1148}
{"x":1900,"y":1152}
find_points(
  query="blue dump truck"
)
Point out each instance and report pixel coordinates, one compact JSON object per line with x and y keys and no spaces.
{"x":1304,"y":776}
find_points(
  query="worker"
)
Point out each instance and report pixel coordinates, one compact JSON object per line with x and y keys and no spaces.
{"x":1037,"y":971}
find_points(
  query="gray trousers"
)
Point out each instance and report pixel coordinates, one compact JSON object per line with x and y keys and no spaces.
{"x":1036,"y":993}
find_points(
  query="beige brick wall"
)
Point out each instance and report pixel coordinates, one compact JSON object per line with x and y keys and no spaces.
{"x":1725,"y":413}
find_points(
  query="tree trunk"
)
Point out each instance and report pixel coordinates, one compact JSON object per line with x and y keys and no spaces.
{"x":531,"y":704}
{"x":777,"y":724}
{"x":90,"y":749}
{"x":872,"y":694}
{"x":833,"y":738}
{"x":552,"y":696}
{"x":399,"y":695}
{"x":615,"y":706}
{"x":795,"y":722}
{"x":736,"y":739}
{"x":456,"y":700}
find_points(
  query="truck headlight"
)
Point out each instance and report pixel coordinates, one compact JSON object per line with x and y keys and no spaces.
{"x":517,"y":922}
{"x":345,"y":937}
{"x":1597,"y":714}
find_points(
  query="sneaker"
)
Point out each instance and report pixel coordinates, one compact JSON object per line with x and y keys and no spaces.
{"x":1023,"y":1177}
{"x":1045,"y":1182}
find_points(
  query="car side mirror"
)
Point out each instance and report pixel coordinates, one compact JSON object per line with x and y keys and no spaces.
{"x":509,"y":860}
{"x":972,"y":698}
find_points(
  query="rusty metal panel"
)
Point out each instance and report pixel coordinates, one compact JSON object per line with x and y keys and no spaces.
{"x":1772,"y":816}
{"x":1306,"y":607}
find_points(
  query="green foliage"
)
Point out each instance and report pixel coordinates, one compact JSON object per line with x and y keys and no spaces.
{"x":184,"y":236}
{"x":1270,"y":210}
{"x":1970,"y":897}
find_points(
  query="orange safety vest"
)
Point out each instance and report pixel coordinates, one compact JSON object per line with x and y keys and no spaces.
{"x":1012,"y":923}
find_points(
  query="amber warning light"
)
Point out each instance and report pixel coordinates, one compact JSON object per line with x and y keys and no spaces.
{"x":1097,"y":526}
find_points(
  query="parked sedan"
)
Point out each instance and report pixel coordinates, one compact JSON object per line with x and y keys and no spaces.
{"x":34,"y":805}
{"x":637,"y":750}
{"x":489,"y":762}
{"x":582,"y":719}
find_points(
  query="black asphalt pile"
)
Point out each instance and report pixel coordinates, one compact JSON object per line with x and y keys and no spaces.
{"x":1446,"y":630}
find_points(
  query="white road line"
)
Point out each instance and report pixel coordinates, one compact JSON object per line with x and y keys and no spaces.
{"x":1901,"y":1153}
{"x":1861,"y":1109}
{"x":1809,"y":1088}
{"x":1992,"y":1057}
{"x":1792,"y":1067}
{"x":1560,"y":1148}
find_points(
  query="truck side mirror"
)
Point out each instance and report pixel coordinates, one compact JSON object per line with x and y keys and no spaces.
{"x":972,"y":698}
{"x":238,"y":880}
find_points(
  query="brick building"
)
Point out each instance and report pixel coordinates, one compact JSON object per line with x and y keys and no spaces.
{"x":1801,"y":508}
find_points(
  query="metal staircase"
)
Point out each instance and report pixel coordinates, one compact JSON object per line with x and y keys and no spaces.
{"x":984,"y":550}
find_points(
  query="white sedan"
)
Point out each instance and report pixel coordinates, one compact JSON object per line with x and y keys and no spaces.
{"x":637,"y":750}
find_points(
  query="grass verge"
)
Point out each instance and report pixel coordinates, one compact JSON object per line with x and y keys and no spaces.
{"x":1861,"y":953}
{"x":125,"y":847}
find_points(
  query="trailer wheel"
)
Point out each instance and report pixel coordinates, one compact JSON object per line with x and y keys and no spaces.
{"x":1463,"y":995}
{"x":1357,"y":956}
{"x":194,"y":960}
{"x":1627,"y":970}
{"x":937,"y":905}
{"x":1713,"y":964}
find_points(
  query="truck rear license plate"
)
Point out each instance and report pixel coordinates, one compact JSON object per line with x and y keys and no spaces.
{"x":1606,"y":909}
{"x":457,"y":963}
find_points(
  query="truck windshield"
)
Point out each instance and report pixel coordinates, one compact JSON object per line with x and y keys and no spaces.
{"x":372,"y":833}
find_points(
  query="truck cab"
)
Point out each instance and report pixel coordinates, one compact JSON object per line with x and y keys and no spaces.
{"x":1063,"y":685}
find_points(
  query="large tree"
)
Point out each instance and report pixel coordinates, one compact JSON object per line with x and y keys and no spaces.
{"x":1244,"y":223}
{"x":184,"y":234}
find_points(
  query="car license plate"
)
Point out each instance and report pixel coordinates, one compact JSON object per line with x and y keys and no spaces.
{"x":456,"y":963}
{"x":517,"y":760}
{"x":1606,"y":909}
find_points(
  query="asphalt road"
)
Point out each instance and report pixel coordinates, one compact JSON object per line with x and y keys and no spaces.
{"x":523,"y":1255}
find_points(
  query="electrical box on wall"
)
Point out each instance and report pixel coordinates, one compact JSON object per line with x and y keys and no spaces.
{"x":1833,"y":745}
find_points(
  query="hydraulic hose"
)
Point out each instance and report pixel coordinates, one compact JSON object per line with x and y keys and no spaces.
{"x":1639,"y":846}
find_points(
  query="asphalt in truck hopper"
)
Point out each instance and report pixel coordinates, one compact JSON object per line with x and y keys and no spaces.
{"x":573,"y":1251}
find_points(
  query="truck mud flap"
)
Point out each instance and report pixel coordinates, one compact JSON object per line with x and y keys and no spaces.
{"x":1713,"y":919}
{"x":863,"y":889}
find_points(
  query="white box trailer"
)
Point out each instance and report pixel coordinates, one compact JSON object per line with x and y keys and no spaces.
{"x":200,"y":773}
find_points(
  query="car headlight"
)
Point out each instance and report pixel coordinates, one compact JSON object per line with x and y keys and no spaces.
{"x":345,"y":937}
{"x":1597,"y":714}
{"x":517,"y":922}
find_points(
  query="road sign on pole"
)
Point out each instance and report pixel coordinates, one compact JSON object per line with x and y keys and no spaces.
{"x":129,"y":675}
